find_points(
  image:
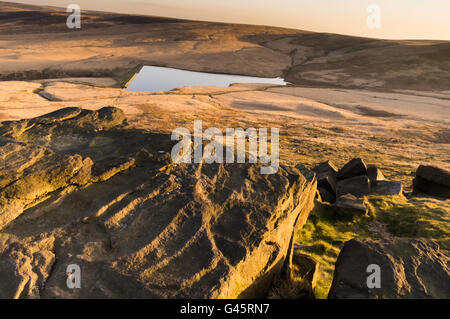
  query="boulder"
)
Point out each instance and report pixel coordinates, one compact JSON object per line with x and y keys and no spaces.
{"x":326,"y":176}
{"x":355,"y":167}
{"x":137,"y":225}
{"x":52,"y":152}
{"x":350,"y":205}
{"x":387,"y":188}
{"x":432,"y":181}
{"x":31,"y":172}
{"x":434,"y":174}
{"x":326,"y":196}
{"x":306,"y":267}
{"x":424,"y":186}
{"x":358,"y":186}
{"x":408,"y":269}
{"x":375,"y":174}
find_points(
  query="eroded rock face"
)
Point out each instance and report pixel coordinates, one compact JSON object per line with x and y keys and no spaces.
{"x":42,"y":155}
{"x":409,"y":268}
{"x":307,"y":268}
{"x":109,"y":200}
{"x":24,"y":267}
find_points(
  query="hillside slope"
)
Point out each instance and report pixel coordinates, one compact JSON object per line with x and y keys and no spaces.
{"x":35,"y":43}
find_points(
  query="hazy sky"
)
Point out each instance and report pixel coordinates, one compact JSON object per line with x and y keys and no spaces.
{"x":400,"y":19}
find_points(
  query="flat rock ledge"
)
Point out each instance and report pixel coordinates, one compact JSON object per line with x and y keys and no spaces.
{"x":408,"y":269}
{"x":81,"y":187}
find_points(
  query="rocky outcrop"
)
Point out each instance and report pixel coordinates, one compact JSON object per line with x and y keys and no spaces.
{"x":356,"y":167}
{"x":432,"y":181}
{"x":375,"y":174}
{"x":347,"y":187}
{"x":358,"y":186}
{"x":355,"y":178}
{"x":408,"y":268}
{"x":307,"y":268}
{"x":41,"y":155}
{"x":107,"y":198}
{"x":351,"y":206}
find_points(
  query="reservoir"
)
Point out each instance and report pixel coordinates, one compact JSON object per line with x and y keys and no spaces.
{"x":155,"y":79}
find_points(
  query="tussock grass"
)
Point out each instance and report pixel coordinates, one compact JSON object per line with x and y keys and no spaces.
{"x":295,"y":288}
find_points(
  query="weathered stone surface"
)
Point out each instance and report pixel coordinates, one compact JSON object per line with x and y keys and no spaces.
{"x":43,"y":156}
{"x":307,"y":267}
{"x":410,"y":268}
{"x":355,"y":167}
{"x":387,"y":188}
{"x":326,"y":196}
{"x":137,"y":225}
{"x":326,"y":176}
{"x":358,"y":186}
{"x":350,"y":205}
{"x":432,"y":181}
{"x":423,"y":186}
{"x":375,"y":174}
{"x":434,"y":174}
{"x":24,"y":268}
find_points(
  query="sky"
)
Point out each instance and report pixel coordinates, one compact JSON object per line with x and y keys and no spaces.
{"x":389,"y":19}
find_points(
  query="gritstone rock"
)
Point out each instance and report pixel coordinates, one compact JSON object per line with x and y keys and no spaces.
{"x":355,"y":167}
{"x":409,"y":268}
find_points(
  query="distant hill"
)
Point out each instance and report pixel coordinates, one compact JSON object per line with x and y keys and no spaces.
{"x":35,"y":43}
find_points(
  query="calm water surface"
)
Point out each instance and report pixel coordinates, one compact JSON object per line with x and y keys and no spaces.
{"x":154,"y":79}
